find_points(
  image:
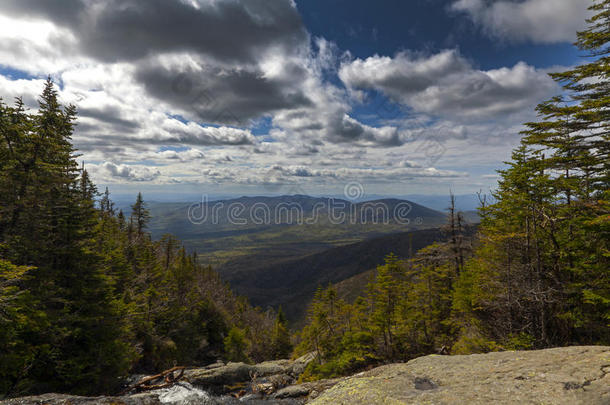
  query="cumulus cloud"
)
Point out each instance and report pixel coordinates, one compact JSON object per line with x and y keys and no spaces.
{"x":292,"y":174}
{"x":27,"y":90}
{"x":164,"y":156}
{"x":446,"y":84}
{"x":224,"y":95}
{"x":239,"y":60}
{"x":175,"y":90}
{"x":224,"y":63}
{"x":228,"y":31}
{"x":124,"y":172}
{"x":175,"y":131}
{"x":539,"y":21}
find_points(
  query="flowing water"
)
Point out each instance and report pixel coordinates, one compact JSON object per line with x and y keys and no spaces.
{"x":185,"y":394}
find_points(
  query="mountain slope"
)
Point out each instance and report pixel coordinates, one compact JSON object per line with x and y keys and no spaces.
{"x":291,"y":283}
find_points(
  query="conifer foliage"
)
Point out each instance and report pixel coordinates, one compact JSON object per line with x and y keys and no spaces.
{"x":85,"y":295}
{"x":406,"y":311}
{"x":536,"y":275}
{"x":544,"y":256}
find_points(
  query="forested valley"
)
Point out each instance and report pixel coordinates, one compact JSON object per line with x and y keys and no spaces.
{"x":87,"y":297}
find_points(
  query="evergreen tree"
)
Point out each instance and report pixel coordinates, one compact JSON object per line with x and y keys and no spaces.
{"x":385,"y":295}
{"x":140,"y":215}
{"x":86,"y":297}
{"x":20,"y":319}
{"x":48,"y":226}
{"x":544,"y":260}
{"x":236,"y":345}
{"x":280,"y":339}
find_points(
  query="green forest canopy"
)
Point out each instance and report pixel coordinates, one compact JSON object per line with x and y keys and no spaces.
{"x":85,"y":295}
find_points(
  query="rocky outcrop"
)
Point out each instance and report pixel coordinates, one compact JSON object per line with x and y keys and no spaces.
{"x":269,"y":375}
{"x":309,"y":390}
{"x":568,"y":375}
{"x":218,"y":383}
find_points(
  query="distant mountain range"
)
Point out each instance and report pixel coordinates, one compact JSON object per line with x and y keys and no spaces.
{"x":278,"y":250}
{"x":283,"y":226}
{"x":464,"y":202}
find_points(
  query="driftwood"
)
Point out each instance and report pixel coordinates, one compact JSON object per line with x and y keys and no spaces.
{"x":162,"y":380}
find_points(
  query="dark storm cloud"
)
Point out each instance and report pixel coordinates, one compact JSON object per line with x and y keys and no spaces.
{"x":126,"y":30}
{"x":111,"y":116}
{"x":349,"y":130}
{"x":226,"y":41}
{"x":230,"y":31}
{"x":97,"y":139}
{"x":59,"y":11}
{"x":224,"y":96}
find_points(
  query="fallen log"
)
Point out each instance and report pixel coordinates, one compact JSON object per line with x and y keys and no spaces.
{"x":164,"y":379}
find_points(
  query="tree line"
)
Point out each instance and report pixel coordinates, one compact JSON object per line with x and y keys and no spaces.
{"x":537,"y":273}
{"x":86,"y":296}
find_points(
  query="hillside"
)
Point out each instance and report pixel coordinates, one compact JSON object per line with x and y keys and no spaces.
{"x":292,"y":282}
{"x":284,"y":226}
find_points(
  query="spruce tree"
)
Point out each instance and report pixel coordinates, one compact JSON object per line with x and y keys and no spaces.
{"x":280,"y":339}
{"x":544,"y":256}
{"x":140,"y":215}
{"x":50,"y":226}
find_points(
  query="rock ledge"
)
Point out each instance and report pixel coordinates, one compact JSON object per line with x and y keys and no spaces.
{"x":567,"y":375}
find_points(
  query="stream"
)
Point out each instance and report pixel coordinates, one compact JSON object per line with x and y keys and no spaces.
{"x":184,"y":393}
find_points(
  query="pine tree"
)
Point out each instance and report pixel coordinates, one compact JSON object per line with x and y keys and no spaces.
{"x":86,"y":298}
{"x":20,"y":319}
{"x":574,"y":133}
{"x":236,"y":345}
{"x":280,"y":339}
{"x":49,"y":225}
{"x":106,"y":204}
{"x":140,"y":215}
{"x":543,"y":260}
{"x":385,"y":295}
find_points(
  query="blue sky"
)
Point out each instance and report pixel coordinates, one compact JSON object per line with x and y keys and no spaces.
{"x":366,"y":28}
{"x":253,"y":97}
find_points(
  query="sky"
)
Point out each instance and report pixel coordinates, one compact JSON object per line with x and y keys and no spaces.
{"x":263,"y":97}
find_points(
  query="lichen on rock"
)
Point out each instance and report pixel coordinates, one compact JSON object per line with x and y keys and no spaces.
{"x":568,"y":375}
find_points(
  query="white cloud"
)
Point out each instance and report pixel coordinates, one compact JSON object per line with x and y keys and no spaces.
{"x":447,"y":85}
{"x":122,"y":172}
{"x":27,"y":90}
{"x":177,"y":104}
{"x":36,"y":46}
{"x":539,"y":21}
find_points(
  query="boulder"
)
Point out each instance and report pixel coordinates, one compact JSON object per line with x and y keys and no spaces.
{"x":222,"y":378}
{"x":226,"y":375}
{"x":568,"y":375}
{"x":293,"y":391}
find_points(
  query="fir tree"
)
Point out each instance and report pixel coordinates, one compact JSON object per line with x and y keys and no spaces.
{"x":280,"y":339}
{"x":140,"y":215}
